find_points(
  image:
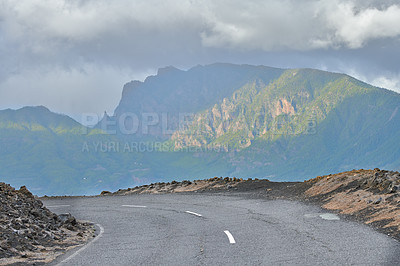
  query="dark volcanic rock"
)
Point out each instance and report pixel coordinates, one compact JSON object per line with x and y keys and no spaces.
{"x":384,"y":181}
{"x":26,"y":224}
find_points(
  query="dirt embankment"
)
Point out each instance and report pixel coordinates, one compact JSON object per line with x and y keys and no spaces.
{"x":212,"y":184}
{"x":370,"y":196}
{"x":30,"y":233}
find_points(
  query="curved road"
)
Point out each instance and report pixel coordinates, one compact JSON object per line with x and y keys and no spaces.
{"x":218,"y":229}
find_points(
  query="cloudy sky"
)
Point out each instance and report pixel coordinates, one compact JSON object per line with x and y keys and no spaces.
{"x":74,"y":56}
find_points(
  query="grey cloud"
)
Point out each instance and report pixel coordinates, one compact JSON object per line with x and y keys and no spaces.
{"x":43,"y":26}
{"x":80,"y":42}
{"x":299,"y":25}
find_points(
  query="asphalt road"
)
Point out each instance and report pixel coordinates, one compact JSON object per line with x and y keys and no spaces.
{"x":218,"y":229}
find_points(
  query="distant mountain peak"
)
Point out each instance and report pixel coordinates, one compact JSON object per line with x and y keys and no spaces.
{"x":167,"y":69}
{"x":38,"y":115}
{"x":173,"y":92}
{"x":35,"y":108}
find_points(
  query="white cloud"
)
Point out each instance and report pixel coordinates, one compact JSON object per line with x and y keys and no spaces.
{"x":389,"y":81}
{"x":354,"y":28}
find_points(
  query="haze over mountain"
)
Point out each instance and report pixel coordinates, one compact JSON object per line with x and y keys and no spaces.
{"x":213,"y":120}
{"x":46,"y":151}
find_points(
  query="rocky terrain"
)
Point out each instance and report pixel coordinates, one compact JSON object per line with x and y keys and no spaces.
{"x":368,"y":196}
{"x":212,"y":184}
{"x":30,"y":233}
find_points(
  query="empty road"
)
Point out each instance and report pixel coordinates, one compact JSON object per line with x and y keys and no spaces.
{"x":219,"y":229}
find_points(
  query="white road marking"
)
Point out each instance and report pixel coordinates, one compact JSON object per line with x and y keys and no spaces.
{"x":84,"y":247}
{"x":329,"y":216}
{"x":311,"y":215}
{"x":325,"y":216}
{"x":230,"y":236}
{"x":199,"y":215}
{"x":134,"y":206}
{"x":58,"y":206}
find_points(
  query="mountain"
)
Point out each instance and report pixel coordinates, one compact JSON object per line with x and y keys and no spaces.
{"x":38,"y":118}
{"x":260,"y":110}
{"x":213,"y":120}
{"x":304,"y":123}
{"x":275,"y":123}
{"x":55,"y":155}
{"x":161,"y":100}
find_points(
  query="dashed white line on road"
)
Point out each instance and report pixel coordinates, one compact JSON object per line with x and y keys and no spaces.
{"x":134,"y":206}
{"x":58,"y":206}
{"x":84,"y":247}
{"x":230,"y":237}
{"x":197,"y":214}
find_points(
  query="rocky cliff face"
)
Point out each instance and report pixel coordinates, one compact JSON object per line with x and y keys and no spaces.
{"x":161,"y":102}
{"x":282,"y":106}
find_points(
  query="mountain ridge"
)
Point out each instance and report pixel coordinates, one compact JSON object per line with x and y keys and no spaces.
{"x":38,"y":118}
{"x":266,"y":103}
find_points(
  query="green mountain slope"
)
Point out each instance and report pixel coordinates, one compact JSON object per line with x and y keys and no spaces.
{"x":286,"y":106}
{"x":55,"y":155}
{"x":38,"y":119}
{"x":306,"y":122}
{"x":348,"y":138}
